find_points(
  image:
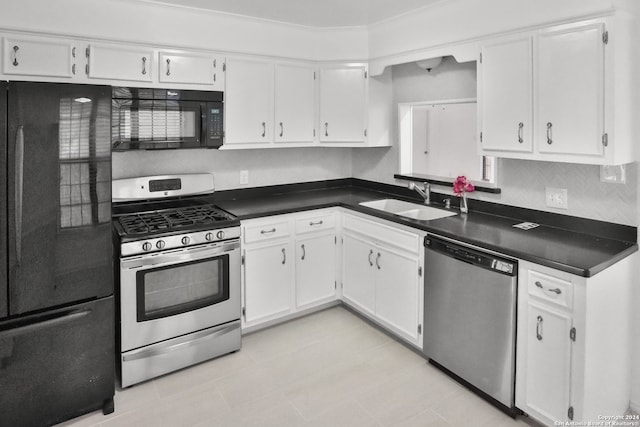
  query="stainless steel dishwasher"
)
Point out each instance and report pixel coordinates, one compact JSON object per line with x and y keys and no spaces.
{"x":470,"y":317}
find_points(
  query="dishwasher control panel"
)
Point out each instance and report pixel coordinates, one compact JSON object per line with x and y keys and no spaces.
{"x":472,"y":255}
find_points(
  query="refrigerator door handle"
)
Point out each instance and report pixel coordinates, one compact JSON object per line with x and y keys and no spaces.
{"x":18,"y":190}
{"x":59,"y":319}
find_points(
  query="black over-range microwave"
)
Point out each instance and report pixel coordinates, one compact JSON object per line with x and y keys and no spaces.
{"x":151,"y":119}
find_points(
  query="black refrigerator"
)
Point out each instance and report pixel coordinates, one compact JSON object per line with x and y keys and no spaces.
{"x":56,"y":286}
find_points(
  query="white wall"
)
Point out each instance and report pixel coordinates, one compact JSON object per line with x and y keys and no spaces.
{"x":454,"y":21}
{"x":266,"y":167}
{"x":124,"y":20}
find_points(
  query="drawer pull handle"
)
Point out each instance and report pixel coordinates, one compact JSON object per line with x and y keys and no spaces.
{"x":304,"y":252}
{"x":370,"y":262}
{"x":284,"y":256}
{"x":539,"y":328}
{"x":378,"y":261}
{"x":315,"y":223}
{"x":549,"y":138}
{"x":168,"y":67}
{"x":557,"y":291}
{"x":273,"y":230}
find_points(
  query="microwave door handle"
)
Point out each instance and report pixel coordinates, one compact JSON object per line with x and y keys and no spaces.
{"x":19,"y":180}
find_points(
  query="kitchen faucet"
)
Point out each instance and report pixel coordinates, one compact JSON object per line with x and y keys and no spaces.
{"x":425,"y":191}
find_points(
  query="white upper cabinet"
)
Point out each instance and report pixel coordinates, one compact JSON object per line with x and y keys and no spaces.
{"x":248,"y":103}
{"x":505,"y":86}
{"x":116,"y":62}
{"x":343,"y":104}
{"x":294,"y":103}
{"x":570,"y":88}
{"x":40,"y":56}
{"x":559,"y":94}
{"x":269,"y":103}
{"x":191,"y":68}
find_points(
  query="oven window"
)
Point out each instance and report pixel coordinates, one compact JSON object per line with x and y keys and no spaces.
{"x":179,"y":288}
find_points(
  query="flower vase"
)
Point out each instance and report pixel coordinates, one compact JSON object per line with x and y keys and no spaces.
{"x":463,"y":203}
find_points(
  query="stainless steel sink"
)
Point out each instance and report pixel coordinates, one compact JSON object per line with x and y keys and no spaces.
{"x":408,"y":209}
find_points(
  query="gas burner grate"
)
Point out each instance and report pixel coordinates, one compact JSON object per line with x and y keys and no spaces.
{"x":181,"y":218}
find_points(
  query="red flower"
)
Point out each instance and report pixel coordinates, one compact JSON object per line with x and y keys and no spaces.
{"x":460,"y":185}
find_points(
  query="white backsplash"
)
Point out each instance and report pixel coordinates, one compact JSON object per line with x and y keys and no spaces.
{"x":266,"y":167}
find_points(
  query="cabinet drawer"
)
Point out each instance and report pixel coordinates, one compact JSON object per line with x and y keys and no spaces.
{"x":315,"y":223}
{"x":551,"y":289}
{"x":383,"y":234}
{"x":266,"y":231}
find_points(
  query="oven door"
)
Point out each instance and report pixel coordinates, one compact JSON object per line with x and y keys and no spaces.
{"x":168,"y":294}
{"x":155,"y":124}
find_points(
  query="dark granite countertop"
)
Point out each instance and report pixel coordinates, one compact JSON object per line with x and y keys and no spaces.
{"x":565,"y":249}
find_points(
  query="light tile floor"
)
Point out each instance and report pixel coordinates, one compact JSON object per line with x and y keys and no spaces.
{"x":327,"y":369}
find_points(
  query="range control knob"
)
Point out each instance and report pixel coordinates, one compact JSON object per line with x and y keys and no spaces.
{"x":146,"y":246}
{"x":209,"y":237}
{"x":185,"y":240}
{"x":160,"y":244}
{"x":220,"y":234}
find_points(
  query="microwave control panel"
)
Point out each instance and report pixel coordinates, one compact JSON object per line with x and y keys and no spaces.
{"x":214,"y":121}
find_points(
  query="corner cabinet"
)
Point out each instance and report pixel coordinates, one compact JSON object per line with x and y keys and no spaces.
{"x":382,"y":275}
{"x":343,"y":104}
{"x":549,"y":95}
{"x":573,"y":343}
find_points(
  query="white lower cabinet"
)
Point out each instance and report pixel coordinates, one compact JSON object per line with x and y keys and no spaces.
{"x":549,"y":360}
{"x":289,"y":265}
{"x":315,"y":269}
{"x":358,"y":275}
{"x":268,"y":274}
{"x":573,"y":342}
{"x":382,"y":275}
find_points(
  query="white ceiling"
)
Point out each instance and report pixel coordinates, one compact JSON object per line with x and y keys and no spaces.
{"x":313,"y":13}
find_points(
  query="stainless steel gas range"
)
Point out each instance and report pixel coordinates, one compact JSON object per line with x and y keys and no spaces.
{"x":179,"y":275}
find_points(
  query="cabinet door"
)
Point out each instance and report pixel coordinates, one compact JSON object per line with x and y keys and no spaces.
{"x":548,"y":365}
{"x":570,"y":88}
{"x":343,"y":103}
{"x":115,"y":62}
{"x":249,"y":102}
{"x":189,"y":68}
{"x":506,"y":96}
{"x":268,"y":281}
{"x":294,"y":103}
{"x":39,"y":57}
{"x":315,"y":269}
{"x":359,"y":273}
{"x":397,"y":292}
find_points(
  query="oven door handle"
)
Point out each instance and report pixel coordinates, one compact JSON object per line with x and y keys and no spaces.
{"x":179,"y":256}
